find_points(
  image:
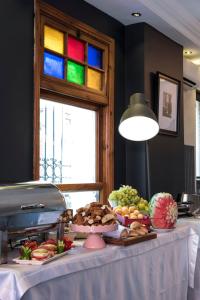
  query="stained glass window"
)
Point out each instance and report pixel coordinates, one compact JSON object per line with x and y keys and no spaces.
{"x":71,"y":54}
{"x":53,"y":65}
{"x":75,"y":49}
{"x":53,"y":39}
{"x":75,"y":72}
{"x":94,"y":57}
{"x":94,"y":79}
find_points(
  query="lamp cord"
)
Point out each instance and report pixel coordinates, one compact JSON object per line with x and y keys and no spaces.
{"x":148,"y":185}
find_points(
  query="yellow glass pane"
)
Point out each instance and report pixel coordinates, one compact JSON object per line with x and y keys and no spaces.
{"x":53,"y":39}
{"x":94,"y":79}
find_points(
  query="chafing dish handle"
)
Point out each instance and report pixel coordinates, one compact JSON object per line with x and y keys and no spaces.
{"x":32,"y":206}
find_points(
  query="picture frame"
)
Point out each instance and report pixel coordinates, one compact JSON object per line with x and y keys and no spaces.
{"x":168,"y":104}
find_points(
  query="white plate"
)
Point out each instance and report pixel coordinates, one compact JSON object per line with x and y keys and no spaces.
{"x":38,"y":262}
{"x":160,"y":230}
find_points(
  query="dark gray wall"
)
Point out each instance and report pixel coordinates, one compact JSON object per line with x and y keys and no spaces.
{"x":16,"y":90}
{"x":189,"y":157}
{"x":166,"y":153}
{"x":136,"y":171}
{"x":158,"y":165}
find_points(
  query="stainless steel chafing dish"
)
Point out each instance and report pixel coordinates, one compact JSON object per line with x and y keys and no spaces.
{"x":189,"y":205}
{"x":27,"y":208}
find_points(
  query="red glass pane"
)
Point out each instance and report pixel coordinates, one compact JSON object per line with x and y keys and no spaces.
{"x":76,"y":49}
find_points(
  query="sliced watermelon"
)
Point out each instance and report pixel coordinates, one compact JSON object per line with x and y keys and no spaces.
{"x":163,"y":211}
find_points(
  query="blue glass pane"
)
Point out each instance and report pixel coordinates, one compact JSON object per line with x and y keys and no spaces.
{"x":53,"y":65}
{"x":94,"y":57}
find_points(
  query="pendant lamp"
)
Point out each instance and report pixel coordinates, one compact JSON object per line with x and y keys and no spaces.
{"x":138,"y":122}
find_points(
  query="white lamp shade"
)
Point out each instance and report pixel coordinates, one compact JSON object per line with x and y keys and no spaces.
{"x":138,"y":128}
{"x":138,"y":122}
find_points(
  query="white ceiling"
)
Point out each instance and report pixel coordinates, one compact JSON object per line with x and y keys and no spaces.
{"x":178,"y":19}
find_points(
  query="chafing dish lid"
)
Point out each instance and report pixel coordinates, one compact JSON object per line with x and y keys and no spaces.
{"x":30,"y":197}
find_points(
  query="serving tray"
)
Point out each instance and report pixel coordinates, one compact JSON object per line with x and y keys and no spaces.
{"x":38,"y":262}
{"x":130,"y":240}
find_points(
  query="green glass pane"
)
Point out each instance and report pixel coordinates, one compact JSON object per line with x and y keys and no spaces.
{"x":75,"y":72}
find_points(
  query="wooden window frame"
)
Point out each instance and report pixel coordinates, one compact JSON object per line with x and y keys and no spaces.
{"x":57,"y":90}
{"x":71,"y":89}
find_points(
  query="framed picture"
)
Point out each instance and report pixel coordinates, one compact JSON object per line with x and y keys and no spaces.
{"x":168,"y":104}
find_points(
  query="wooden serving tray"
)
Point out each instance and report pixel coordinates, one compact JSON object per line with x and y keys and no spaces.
{"x":130,"y":240}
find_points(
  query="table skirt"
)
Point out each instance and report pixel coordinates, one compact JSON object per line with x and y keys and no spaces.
{"x":159,"y":269}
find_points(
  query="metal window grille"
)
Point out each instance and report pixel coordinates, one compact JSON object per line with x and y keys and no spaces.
{"x":54,"y":121}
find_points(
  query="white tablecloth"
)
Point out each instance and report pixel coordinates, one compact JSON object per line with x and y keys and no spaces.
{"x":157,"y":269}
{"x":194,"y":292}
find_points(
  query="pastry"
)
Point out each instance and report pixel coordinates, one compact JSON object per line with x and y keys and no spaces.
{"x":135,"y":225}
{"x":107,"y":218}
{"x":94,"y":214}
{"x":137,"y":229}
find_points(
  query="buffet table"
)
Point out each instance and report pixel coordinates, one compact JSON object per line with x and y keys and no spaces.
{"x":159,"y":269}
{"x":194,"y":292}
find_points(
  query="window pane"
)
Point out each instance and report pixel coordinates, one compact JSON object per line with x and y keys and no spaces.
{"x":75,"y":49}
{"x":75,"y":200}
{"x":75,"y":73}
{"x":94,"y":57}
{"x":197,"y":138}
{"x":94,"y":79}
{"x":53,"y":39}
{"x":67,"y":143}
{"x":53,"y":65}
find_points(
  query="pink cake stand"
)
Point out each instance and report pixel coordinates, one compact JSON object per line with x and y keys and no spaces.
{"x":94,"y":239}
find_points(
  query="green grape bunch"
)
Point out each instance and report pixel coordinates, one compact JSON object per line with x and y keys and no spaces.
{"x":127,"y":196}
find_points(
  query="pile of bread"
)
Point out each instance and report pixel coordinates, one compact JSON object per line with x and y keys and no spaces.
{"x":66,"y":216}
{"x":137,"y":229}
{"x":94,"y":214}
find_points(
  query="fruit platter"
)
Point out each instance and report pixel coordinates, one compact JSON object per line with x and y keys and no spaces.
{"x":32,"y":253}
{"x":126,"y":220}
{"x":129,"y":206}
